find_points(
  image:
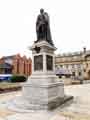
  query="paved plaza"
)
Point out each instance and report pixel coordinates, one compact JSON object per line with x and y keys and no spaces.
{"x":79,"y":109}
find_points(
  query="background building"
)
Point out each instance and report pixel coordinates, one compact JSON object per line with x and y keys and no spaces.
{"x":77,"y":63}
{"x":15,"y":64}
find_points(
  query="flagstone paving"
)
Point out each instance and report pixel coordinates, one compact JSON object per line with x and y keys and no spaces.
{"x":79,"y":109}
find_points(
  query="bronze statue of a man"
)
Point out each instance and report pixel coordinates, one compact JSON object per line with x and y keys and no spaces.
{"x":43,"y":27}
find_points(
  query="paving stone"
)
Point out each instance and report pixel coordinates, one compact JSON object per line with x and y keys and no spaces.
{"x":5,"y":112}
{"x":75,"y":116}
{"x":59,"y":117}
{"x":78,"y":110}
{"x":30,"y":116}
{"x":1,"y":119}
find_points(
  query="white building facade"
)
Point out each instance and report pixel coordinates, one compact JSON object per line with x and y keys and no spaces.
{"x":78,"y":63}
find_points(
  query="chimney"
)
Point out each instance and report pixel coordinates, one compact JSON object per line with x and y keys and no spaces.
{"x":84,"y":49}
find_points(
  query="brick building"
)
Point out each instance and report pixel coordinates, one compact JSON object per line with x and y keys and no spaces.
{"x":15,"y":64}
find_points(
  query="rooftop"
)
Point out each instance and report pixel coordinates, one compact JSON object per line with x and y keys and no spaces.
{"x":5,"y":65}
{"x":78,"y":53}
{"x":8,"y":57}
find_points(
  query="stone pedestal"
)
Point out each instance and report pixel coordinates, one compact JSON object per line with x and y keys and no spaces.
{"x":43,"y":89}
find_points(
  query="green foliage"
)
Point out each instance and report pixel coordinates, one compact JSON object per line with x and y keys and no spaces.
{"x":18,"y":78}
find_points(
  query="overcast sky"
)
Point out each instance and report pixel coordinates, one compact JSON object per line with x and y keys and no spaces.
{"x":69,"y":22}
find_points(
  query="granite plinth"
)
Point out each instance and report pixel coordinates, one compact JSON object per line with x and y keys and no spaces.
{"x":23,"y":106}
{"x":41,"y":93}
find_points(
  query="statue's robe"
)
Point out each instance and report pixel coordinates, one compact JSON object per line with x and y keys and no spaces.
{"x":43,"y":28}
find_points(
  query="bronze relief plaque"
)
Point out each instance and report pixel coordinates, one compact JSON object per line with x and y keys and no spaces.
{"x":38,"y":62}
{"x":49,"y":62}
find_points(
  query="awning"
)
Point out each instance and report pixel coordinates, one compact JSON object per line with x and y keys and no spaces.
{"x":63,"y":72}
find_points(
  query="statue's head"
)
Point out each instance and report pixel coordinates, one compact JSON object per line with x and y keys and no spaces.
{"x":41,"y":10}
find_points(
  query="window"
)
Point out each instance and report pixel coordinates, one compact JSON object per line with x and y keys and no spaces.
{"x":80,"y":73}
{"x":73,"y":66}
{"x":61,"y":66}
{"x":29,"y":68}
{"x":86,"y":64}
{"x":84,"y":70}
{"x":73,"y":73}
{"x":17,"y":66}
{"x":67,"y":66}
{"x":78,"y":66}
{"x":24,"y":68}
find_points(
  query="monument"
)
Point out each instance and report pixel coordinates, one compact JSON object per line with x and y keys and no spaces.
{"x":43,"y":89}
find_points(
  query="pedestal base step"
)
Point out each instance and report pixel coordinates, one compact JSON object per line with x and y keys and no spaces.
{"x":56,"y":103}
{"x":22,"y":106}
